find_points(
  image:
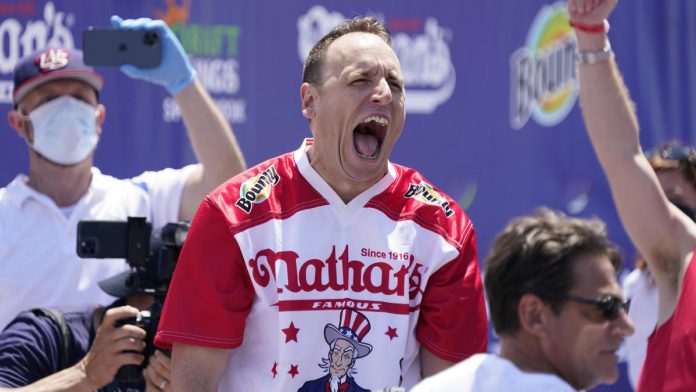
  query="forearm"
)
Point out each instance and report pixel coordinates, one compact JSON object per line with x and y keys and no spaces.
{"x":210,"y":134}
{"x":607,"y":109}
{"x":73,"y":379}
{"x":213,"y":143}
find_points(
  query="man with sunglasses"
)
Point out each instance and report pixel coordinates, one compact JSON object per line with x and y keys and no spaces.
{"x":556,"y":305}
{"x":663,"y":234}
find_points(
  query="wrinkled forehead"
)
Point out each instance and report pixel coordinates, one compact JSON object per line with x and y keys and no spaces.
{"x":360,"y":50}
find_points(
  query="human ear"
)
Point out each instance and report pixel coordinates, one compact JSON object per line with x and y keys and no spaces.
{"x":21,"y":126}
{"x":533,"y":314}
{"x":308,"y":95}
{"x":101,"y":116}
{"x":17,"y":122}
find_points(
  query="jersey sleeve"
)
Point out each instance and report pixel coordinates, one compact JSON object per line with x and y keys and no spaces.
{"x":165,"y":188}
{"x":453,"y":324}
{"x":211,"y":294}
{"x":30,"y":348}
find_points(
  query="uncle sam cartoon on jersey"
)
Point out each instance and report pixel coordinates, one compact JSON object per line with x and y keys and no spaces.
{"x":345,"y":346}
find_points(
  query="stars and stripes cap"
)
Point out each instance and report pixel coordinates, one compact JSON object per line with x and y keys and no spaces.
{"x":48,"y":64}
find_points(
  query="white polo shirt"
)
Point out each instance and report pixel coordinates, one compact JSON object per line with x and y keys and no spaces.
{"x":491,"y":373}
{"x":39,"y":266}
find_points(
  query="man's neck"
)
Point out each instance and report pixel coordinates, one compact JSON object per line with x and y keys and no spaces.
{"x":526,"y":355}
{"x":65,"y":185}
{"x":345,"y":189}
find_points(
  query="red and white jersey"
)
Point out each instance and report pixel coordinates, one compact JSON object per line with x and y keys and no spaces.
{"x":277,"y":267}
{"x":670,"y":362}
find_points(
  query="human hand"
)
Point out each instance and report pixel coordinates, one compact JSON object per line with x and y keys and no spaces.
{"x":175,"y":72}
{"x":157,"y":374}
{"x":591,"y":12}
{"x":113,"y":347}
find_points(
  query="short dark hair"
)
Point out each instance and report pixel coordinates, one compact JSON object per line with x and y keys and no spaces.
{"x":535,"y":254}
{"x":663,"y":159}
{"x":364,"y":24}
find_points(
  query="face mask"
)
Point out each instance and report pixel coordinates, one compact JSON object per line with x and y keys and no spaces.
{"x":65,"y":130}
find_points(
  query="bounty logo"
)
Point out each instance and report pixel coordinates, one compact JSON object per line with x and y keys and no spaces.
{"x":426,"y":63}
{"x":425,"y":193}
{"x":257,"y":189}
{"x":543,"y":78}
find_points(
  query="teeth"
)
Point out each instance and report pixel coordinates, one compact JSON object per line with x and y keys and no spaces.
{"x":379,"y":120}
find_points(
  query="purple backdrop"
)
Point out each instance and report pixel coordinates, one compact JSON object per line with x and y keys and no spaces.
{"x":491,"y":91}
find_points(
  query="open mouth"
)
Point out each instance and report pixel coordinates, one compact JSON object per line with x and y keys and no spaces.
{"x":368,"y":136}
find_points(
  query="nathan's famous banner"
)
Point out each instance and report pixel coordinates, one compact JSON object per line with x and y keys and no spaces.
{"x":491,"y":90}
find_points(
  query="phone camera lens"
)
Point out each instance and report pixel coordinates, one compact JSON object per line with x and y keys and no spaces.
{"x":88,"y":247}
{"x":150,"y":38}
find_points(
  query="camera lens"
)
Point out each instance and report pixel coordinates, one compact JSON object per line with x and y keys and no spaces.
{"x":88,"y":247}
{"x":150,"y":38}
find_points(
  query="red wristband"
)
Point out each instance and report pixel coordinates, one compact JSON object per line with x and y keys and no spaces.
{"x":594,"y":29}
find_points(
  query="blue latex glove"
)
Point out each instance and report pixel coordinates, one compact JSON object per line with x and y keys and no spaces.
{"x":175,"y":71}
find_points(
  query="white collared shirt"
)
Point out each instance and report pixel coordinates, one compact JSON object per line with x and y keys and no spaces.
{"x":39,"y":266}
{"x":491,"y":373}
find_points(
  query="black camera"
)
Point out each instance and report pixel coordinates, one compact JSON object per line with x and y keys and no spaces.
{"x":151,"y":255}
{"x":147,"y":320}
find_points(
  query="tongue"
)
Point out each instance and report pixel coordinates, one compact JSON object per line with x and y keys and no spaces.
{"x":366,"y":144}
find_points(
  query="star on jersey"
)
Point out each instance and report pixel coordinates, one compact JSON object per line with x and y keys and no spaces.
{"x":293,"y":370}
{"x":290,"y":332}
{"x":275,"y":369}
{"x":391,"y":332}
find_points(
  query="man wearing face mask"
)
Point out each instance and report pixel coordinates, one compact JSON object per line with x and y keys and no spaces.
{"x":58,"y":114}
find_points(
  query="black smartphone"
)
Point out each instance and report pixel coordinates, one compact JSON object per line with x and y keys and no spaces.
{"x":115,"y":47}
{"x":113,"y":239}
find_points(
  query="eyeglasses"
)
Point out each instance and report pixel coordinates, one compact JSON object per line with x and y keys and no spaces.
{"x":674,"y":152}
{"x":610,"y":305}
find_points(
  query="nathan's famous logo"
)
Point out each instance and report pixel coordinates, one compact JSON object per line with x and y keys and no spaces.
{"x":425,"y":193}
{"x":17,"y":40}
{"x":422,"y":46}
{"x":257,"y":189}
{"x":544,"y":82}
{"x":213,"y":51}
{"x":339,"y":272}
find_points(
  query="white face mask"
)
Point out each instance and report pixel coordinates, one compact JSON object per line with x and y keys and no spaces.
{"x":65,"y":130}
